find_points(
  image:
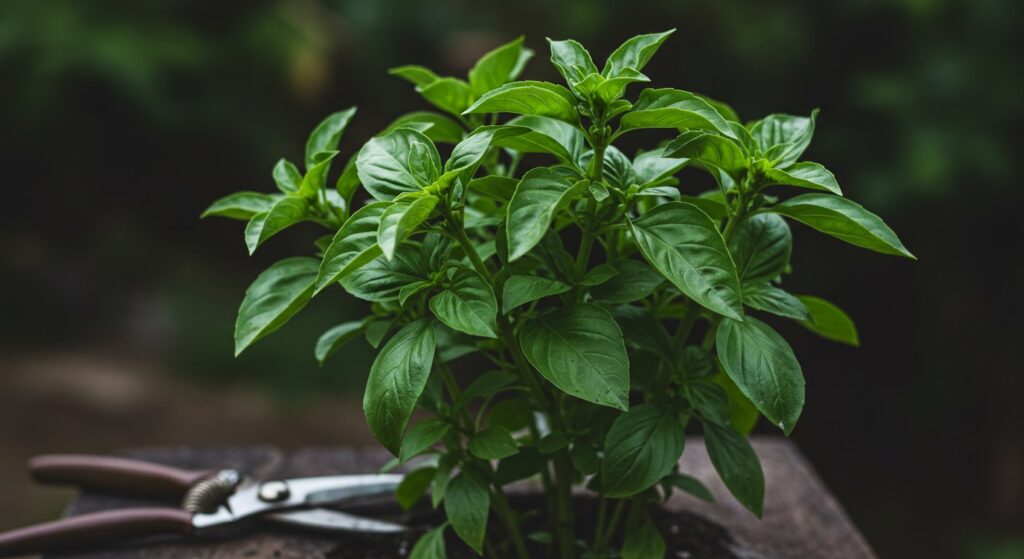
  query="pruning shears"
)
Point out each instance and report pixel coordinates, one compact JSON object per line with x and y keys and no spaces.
{"x":210,"y":499}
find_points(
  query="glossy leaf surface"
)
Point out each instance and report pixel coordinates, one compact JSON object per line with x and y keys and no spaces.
{"x":397,"y":378}
{"x":581,"y":351}
{"x":845,"y":220}
{"x":274,"y":297}
{"x":683,"y":243}
{"x":642,"y":446}
{"x":764,"y":368}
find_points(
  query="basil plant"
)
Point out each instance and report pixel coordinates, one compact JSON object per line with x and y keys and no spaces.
{"x":610,"y":309}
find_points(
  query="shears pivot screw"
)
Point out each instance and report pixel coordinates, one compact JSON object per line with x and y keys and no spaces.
{"x":274,"y":491}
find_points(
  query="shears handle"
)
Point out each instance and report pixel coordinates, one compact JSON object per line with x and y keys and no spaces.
{"x":115,"y":474}
{"x":94,"y":530}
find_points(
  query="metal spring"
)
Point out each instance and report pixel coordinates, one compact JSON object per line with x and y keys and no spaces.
{"x":208,"y":494}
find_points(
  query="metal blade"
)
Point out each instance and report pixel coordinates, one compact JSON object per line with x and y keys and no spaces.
{"x":334,"y":521}
{"x":273,"y":496}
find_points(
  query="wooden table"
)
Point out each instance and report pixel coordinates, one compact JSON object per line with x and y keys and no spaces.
{"x":801,"y":519}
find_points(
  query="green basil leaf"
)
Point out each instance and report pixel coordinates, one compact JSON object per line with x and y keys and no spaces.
{"x":697,"y":362}
{"x":743,"y":414}
{"x":634,"y":53}
{"x":402,"y":160}
{"x":494,"y":187}
{"x":764,"y":368}
{"x":382,"y":280}
{"x":466,"y":505}
{"x":528,"y":98}
{"x":584,"y":458}
{"x":348,"y":182}
{"x":643,"y":331}
{"x":487,"y":385}
{"x":552,"y":443}
{"x":783,"y":138}
{"x":725,"y":110}
{"x":520,"y":290}
{"x":829,"y":321}
{"x":439,"y":486}
{"x":493,"y":443}
{"x":287,"y":176}
{"x":410,"y":289}
{"x":242,"y":205}
{"x":844,"y":220}
{"x":421,"y":437}
{"x":376,"y":331}
{"x":768,"y":298}
{"x":709,"y":150}
{"x":399,"y":221}
{"x":581,"y":351}
{"x":397,"y":378}
{"x":599,"y":89}
{"x":806,"y":175}
{"x":439,"y":128}
{"x":691,"y":485}
{"x":276,"y":295}
{"x":331,"y":340}
{"x":527,"y":463}
{"x":634,"y":281}
{"x":316,"y":175}
{"x":448,"y":94}
{"x":598,"y":275}
{"x":710,"y":400}
{"x":430,"y":545}
{"x":498,"y":66}
{"x":538,"y":197}
{"x":571,"y":60}
{"x":546,"y":135}
{"x":683,"y":243}
{"x":617,"y":168}
{"x":761,"y":247}
{"x":413,"y":486}
{"x":467,"y":305}
{"x":283,"y":214}
{"x":418,"y":75}
{"x":714,"y":207}
{"x":466,"y":156}
{"x":642,"y":446}
{"x":673,"y":108}
{"x":644,"y":542}
{"x":737,"y":464}
{"x":654,"y":166}
{"x":327,"y":134}
{"x":354,"y":246}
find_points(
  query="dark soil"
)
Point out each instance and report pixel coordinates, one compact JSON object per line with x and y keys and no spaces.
{"x":687,"y":536}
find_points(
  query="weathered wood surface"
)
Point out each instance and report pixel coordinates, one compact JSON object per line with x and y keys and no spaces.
{"x":801,"y":521}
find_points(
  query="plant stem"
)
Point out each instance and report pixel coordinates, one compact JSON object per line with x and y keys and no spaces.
{"x":564,"y":521}
{"x":454,"y":392}
{"x":501,"y":506}
{"x":563,"y":466}
{"x":602,"y":511}
{"x":609,"y":532}
{"x":471,"y":253}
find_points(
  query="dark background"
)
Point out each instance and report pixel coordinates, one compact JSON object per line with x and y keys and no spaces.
{"x":121,"y":121}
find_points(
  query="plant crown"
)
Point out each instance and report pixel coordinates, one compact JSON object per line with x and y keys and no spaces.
{"x":591,"y":365}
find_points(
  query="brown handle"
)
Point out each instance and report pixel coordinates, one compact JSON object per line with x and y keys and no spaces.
{"x":95,"y":529}
{"x":116,"y":474}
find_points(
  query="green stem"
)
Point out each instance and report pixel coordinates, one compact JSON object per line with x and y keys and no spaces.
{"x":564,"y":514}
{"x":455,"y":392}
{"x":501,"y":506}
{"x":602,"y":511}
{"x":609,"y":532}
{"x":472,"y":254}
